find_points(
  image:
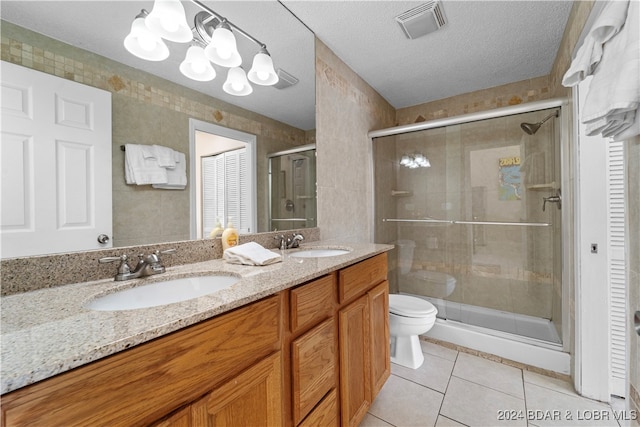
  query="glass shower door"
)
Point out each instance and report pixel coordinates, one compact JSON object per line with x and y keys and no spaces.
{"x":473,"y":232}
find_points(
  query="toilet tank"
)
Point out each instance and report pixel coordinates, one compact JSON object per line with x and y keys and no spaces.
{"x":405,"y":254}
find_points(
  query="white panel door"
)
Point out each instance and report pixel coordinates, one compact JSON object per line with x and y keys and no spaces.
{"x":56,"y":164}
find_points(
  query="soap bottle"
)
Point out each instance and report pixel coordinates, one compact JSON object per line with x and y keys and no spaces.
{"x":229,"y":237}
{"x":217,"y":230}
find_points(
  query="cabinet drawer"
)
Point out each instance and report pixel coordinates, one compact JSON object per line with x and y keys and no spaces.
{"x":313,"y":360}
{"x":358,"y":278}
{"x":312,"y":302}
{"x":325,"y":414}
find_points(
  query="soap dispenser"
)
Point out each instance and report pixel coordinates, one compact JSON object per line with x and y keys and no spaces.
{"x":217,"y":230}
{"x":229,"y":237}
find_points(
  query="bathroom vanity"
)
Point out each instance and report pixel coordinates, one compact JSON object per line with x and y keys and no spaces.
{"x":299,"y":343}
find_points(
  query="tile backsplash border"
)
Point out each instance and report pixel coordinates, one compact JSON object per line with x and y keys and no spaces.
{"x":26,"y":274}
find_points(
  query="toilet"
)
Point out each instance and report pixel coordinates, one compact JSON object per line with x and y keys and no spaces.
{"x":409,"y":317}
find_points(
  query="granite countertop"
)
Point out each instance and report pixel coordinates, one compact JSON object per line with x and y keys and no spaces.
{"x":49,"y":331}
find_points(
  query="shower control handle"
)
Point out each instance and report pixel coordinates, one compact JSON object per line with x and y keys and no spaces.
{"x":552,"y":199}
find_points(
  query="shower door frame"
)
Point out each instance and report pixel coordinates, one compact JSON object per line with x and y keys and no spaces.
{"x":567,"y":211}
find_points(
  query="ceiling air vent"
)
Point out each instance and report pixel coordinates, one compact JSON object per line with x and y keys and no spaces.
{"x":422,"y":20}
{"x":285,"y":79}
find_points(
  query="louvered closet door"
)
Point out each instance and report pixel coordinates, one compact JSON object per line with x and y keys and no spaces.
{"x":225,"y":191}
{"x":616,"y":265}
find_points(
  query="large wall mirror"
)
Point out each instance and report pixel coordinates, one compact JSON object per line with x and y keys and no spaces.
{"x":153,"y":103}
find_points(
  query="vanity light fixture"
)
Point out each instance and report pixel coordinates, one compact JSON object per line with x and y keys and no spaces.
{"x":414,"y":161}
{"x":213,"y":42}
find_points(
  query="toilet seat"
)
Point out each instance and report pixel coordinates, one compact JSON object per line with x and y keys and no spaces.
{"x":408,"y":306}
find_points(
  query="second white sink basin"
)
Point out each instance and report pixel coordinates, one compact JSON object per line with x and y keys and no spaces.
{"x":319,"y":253}
{"x":162,"y":293}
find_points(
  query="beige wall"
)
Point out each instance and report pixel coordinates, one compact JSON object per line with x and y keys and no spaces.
{"x":149,"y":110}
{"x":346,"y":109}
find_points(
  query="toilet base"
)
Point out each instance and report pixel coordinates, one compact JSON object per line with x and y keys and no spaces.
{"x":406,"y":351}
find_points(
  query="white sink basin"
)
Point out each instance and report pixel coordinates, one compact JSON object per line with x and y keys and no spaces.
{"x":319,"y":253}
{"x":162,"y":293}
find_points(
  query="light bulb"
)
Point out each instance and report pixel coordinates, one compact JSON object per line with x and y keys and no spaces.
{"x":167,"y":20}
{"x":147,"y":43}
{"x":262,"y":71}
{"x":143,"y":43}
{"x":237,"y":86}
{"x":169,"y":24}
{"x":224,"y":52}
{"x":198,"y":67}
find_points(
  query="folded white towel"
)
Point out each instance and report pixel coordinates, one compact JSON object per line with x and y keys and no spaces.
{"x":250,"y":254}
{"x":176,"y":177}
{"x":612,"y":103}
{"x":140,"y":168}
{"x":166,"y":156}
{"x":607,"y":24}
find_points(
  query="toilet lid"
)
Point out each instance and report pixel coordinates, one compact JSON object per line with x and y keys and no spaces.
{"x":408,"y":306}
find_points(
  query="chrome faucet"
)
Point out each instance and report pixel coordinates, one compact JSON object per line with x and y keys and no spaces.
{"x":148,"y":265}
{"x":295,"y":240}
{"x":289,"y":242}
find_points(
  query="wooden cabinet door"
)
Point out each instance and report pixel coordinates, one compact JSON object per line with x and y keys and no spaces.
{"x":355,"y":370}
{"x":379,"y":316}
{"x":313,"y":362}
{"x":253,"y":398}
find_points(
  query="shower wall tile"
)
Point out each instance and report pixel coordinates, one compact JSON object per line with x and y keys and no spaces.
{"x":529,"y":90}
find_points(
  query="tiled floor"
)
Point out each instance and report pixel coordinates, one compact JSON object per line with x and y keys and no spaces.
{"x":453,"y":388}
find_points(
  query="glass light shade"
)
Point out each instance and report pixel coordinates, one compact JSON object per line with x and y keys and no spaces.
{"x":196,"y":66}
{"x":223,"y":50}
{"x":262,"y":72}
{"x":144,"y":44}
{"x":167,"y":19}
{"x":237,"y":83}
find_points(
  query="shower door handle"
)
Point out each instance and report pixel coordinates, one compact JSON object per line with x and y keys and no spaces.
{"x":552,"y":199}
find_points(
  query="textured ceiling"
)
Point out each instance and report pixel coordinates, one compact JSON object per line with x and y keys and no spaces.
{"x":484,"y":44}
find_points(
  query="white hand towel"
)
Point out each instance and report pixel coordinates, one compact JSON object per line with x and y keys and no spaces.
{"x":607,"y":24}
{"x":250,"y":254}
{"x":176,"y":177}
{"x":142,"y":170}
{"x":166,"y":156}
{"x":612,"y":103}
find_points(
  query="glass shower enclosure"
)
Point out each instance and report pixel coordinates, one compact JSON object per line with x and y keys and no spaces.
{"x":292,"y":188}
{"x":474,"y":212}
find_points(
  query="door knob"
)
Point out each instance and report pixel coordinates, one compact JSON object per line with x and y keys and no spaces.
{"x":552,"y":199}
{"x":103,"y":238}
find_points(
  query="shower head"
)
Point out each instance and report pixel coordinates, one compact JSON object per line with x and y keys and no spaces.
{"x":532,"y":128}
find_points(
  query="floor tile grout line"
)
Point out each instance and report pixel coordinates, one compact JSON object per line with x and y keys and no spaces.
{"x":488,"y":387}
